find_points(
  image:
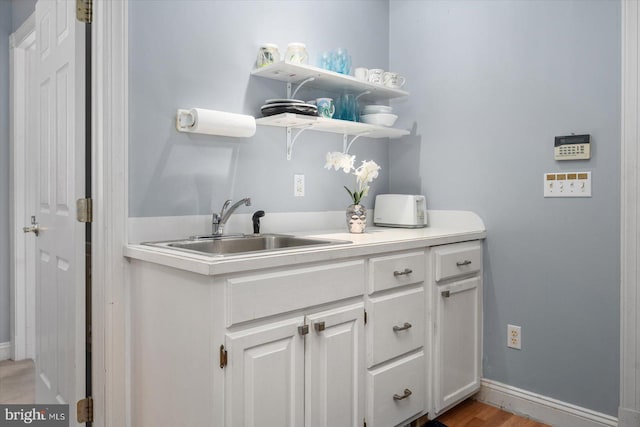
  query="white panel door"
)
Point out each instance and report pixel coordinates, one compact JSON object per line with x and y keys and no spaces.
{"x":457,"y":337}
{"x":264,"y":378}
{"x":335,"y":367}
{"x":60,"y":260}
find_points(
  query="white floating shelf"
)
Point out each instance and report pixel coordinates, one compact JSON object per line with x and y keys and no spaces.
{"x":327,"y":80}
{"x":321,"y":124}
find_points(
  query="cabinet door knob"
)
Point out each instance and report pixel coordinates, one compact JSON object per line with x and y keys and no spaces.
{"x":319,"y":326}
{"x":406,"y":394}
{"x":303,"y":330}
{"x":403,"y":273}
{"x":463,"y":263}
{"x":445,"y":294}
{"x":404,"y":327}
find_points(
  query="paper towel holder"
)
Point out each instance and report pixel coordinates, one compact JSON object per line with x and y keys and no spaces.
{"x":212,"y":122}
{"x":185,"y":120}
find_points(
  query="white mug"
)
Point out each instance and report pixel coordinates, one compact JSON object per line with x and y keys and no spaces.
{"x":393,"y":80}
{"x":361,"y":73}
{"x":375,"y":75}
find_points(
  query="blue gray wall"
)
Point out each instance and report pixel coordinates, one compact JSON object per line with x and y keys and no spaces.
{"x":5,"y":31}
{"x":20,"y":11}
{"x":492,"y":83}
{"x":200,"y":54}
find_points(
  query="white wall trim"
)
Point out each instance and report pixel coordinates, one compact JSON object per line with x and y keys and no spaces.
{"x":630,"y":210}
{"x":541,"y":408}
{"x":21,"y":283}
{"x":109,"y":130}
{"x":5,"y":350}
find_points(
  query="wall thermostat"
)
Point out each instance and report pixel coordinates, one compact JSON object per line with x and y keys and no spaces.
{"x":572,"y":147}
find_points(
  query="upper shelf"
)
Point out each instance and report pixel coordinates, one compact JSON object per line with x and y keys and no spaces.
{"x":328,"y":80}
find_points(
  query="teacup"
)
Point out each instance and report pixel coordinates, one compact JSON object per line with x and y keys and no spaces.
{"x":375,"y":75}
{"x":326,"y":108}
{"x":361,"y":73}
{"x":393,"y":80}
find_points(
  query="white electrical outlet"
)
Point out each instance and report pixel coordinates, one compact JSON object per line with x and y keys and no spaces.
{"x":514,"y":337}
{"x":298,"y":185}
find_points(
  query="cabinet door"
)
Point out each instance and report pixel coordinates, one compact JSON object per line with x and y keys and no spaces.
{"x":458,"y":345}
{"x":334,"y":362}
{"x":264,"y":378}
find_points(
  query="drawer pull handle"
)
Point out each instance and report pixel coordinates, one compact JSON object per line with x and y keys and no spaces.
{"x":463,"y":263}
{"x":445,"y":294}
{"x":406,"y":394}
{"x":404,"y":327}
{"x":403,"y":273}
{"x":319,"y":326}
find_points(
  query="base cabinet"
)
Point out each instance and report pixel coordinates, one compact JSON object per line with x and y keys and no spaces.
{"x":457,"y":300}
{"x":300,"y":371}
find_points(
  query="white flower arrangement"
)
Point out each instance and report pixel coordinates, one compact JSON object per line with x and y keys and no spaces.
{"x":365,"y":173}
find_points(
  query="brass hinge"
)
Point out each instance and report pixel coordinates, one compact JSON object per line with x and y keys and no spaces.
{"x":84,"y":210}
{"x":365,"y":317}
{"x":223,"y":357}
{"x":84,"y":410}
{"x":84,"y":11}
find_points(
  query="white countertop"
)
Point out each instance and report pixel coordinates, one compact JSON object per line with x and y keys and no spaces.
{"x":445,"y":227}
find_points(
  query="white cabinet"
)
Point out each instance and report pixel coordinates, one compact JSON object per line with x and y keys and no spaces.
{"x":264,"y":382}
{"x":274,"y":378}
{"x":397,"y":376}
{"x":457,"y":297}
{"x":334,"y":368}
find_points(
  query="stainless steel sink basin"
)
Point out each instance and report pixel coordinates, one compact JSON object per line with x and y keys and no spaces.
{"x":237,"y":245}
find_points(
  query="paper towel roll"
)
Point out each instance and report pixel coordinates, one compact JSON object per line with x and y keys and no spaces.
{"x":213,"y":122}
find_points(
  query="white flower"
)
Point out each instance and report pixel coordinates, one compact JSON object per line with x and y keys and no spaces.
{"x":366,"y":173}
{"x":338,"y":160}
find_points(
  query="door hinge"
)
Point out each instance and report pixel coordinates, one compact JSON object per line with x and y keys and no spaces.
{"x":84,"y":11}
{"x":223,"y":357}
{"x":365,"y":317}
{"x":84,"y":210}
{"x":84,"y":410}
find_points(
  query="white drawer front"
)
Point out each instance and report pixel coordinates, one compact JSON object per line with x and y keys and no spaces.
{"x":396,"y":270}
{"x":255,"y":296}
{"x":399,"y":379}
{"x":396,"y":325}
{"x":457,"y":260}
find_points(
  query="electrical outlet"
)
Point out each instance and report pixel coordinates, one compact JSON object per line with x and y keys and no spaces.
{"x":514,"y":337}
{"x":298,"y":185}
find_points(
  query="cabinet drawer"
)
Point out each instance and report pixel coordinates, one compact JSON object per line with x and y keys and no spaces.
{"x":396,"y":270}
{"x":457,"y":260}
{"x":388,"y":386}
{"x":261,"y":295}
{"x":396,"y":325}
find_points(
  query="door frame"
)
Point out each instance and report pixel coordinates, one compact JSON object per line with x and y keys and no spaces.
{"x":21,"y":196}
{"x":109,"y":140}
{"x":629,"y":409}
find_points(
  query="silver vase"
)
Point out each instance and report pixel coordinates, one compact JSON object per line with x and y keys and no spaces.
{"x":356,"y":218}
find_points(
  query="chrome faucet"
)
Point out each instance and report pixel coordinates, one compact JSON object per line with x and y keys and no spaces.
{"x":219,"y":220}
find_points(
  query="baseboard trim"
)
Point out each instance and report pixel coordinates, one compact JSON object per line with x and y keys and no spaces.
{"x":5,"y":350}
{"x":541,"y":408}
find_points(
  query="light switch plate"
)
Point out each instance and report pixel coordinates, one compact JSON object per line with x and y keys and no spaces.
{"x":567,"y":184}
{"x":298,"y":185}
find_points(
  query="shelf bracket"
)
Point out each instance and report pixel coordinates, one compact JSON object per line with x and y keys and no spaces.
{"x":346,"y":146}
{"x":291,"y":141}
{"x":302,"y":83}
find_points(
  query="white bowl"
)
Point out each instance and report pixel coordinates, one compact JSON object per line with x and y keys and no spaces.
{"x":373,"y":109}
{"x":380,"y":119}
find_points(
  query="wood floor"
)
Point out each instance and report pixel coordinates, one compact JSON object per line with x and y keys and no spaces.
{"x":472,"y":413}
{"x":17,"y":382}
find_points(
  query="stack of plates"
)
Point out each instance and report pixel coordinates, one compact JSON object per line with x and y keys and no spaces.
{"x":278,"y":106}
{"x":379,"y":115}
